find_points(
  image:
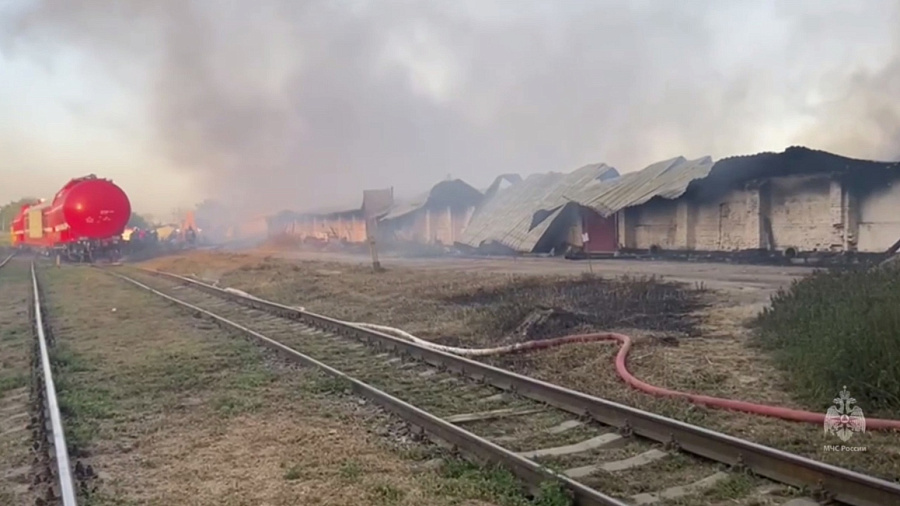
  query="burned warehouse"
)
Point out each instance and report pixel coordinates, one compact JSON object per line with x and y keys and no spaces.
{"x":800,"y":202}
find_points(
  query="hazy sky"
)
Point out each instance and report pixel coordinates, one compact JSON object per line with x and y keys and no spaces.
{"x":303,"y":103}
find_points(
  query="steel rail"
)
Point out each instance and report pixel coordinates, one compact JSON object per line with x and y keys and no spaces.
{"x":531,"y":473}
{"x":64,"y":470}
{"x":830,"y":482}
{"x":6,"y":260}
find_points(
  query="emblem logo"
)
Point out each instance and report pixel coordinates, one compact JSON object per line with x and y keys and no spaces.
{"x":844,"y":419}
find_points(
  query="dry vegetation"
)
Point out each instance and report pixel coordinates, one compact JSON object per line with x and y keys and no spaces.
{"x":456,"y":307}
{"x":687,"y":339}
{"x":171,"y":410}
{"x":840,"y":327}
{"x":15,"y":354}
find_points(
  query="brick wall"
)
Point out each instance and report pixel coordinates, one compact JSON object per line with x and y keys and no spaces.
{"x":729,"y":223}
{"x":805,"y":213}
{"x":652,"y":224}
{"x":725,"y":224}
{"x":879,"y":219}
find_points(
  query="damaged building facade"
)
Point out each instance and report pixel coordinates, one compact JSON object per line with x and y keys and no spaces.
{"x":438,"y":217}
{"x":797,"y":202}
{"x":800,"y":202}
{"x":537,"y":214}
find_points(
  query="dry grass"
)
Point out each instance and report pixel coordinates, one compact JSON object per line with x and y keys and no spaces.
{"x":15,"y":355}
{"x":174,"y":411}
{"x":718,"y":363}
{"x":458,"y":307}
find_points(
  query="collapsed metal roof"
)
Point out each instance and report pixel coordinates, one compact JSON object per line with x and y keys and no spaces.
{"x":507,"y":217}
{"x":668,"y":179}
{"x":518,"y":216}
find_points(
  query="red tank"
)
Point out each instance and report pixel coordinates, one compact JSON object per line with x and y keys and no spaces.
{"x":89,"y":208}
{"x":88,"y":215}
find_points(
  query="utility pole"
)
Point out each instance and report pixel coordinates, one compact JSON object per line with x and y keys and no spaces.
{"x":585,"y":241}
{"x":371,"y":226}
{"x":375,"y":203}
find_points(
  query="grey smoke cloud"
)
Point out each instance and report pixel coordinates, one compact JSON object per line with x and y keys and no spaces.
{"x":298,"y":103}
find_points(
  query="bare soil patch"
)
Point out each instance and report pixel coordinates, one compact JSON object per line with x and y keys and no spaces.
{"x":479,"y":308}
{"x":171,"y":410}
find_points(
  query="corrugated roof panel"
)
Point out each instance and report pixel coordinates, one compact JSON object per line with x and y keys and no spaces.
{"x":506,"y":218}
{"x":667,"y":179}
{"x":574,"y":182}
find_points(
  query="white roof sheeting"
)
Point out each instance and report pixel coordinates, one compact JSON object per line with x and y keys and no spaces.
{"x":668,"y":179}
{"x":506,"y":218}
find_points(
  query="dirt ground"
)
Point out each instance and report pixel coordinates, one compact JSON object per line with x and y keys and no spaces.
{"x":710,"y":356}
{"x":171,"y":410}
{"x":751,"y":282}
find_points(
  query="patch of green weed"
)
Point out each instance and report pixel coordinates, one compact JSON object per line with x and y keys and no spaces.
{"x":386,"y":493}
{"x":12,"y":382}
{"x":835,"y":329}
{"x":350,"y":470}
{"x":294,"y":473}
{"x":498,"y":485}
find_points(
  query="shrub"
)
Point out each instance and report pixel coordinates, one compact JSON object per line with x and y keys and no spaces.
{"x":837,"y":328}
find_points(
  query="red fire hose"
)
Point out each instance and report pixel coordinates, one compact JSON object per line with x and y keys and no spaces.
{"x":793,"y":415}
{"x":704,"y":400}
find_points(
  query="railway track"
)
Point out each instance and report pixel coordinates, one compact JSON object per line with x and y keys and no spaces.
{"x":603,"y":452}
{"x":31,"y":417}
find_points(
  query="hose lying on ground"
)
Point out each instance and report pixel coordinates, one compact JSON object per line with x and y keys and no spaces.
{"x":793,"y":415}
{"x":630,"y":379}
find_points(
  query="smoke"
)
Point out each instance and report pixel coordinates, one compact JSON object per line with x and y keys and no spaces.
{"x":301,"y":103}
{"x":857,"y":112}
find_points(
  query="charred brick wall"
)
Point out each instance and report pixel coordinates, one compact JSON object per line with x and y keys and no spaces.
{"x":878,"y":218}
{"x":807,"y":213}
